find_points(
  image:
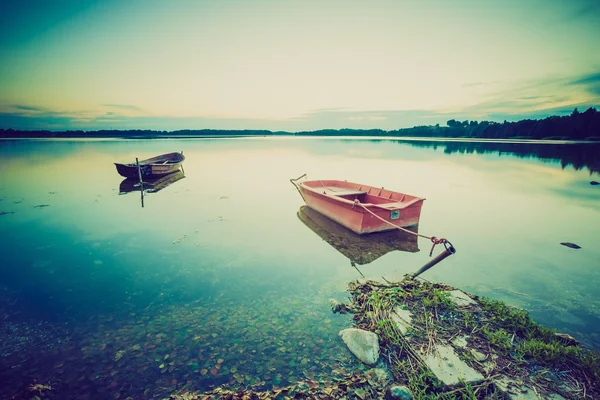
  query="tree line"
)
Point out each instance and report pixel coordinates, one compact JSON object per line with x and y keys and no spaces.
{"x":576,"y":126}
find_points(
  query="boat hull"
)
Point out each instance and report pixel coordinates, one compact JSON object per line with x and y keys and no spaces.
{"x":361,"y":208}
{"x":152,"y":167}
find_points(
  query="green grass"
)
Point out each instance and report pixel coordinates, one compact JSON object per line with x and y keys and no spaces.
{"x":515,"y":320}
{"x":510,"y":333}
{"x":538,"y":344}
{"x":498,"y":338}
{"x":438,"y":298}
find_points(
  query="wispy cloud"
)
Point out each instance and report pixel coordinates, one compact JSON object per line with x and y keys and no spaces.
{"x":318,"y":119}
{"x":479,"y":84}
{"x":123,"y":107}
{"x":359,"y":119}
{"x":592,"y":78}
{"x":528,"y":99}
{"x":27,"y":108}
{"x":588,"y":9}
{"x":591,"y":83}
{"x":537,"y":98}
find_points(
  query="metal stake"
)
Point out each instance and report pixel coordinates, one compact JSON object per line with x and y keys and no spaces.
{"x":448,"y":251}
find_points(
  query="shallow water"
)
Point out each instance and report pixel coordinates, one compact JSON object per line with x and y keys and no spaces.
{"x":217,"y":281}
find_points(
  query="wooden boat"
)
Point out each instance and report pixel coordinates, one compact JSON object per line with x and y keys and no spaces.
{"x":159,"y":165}
{"x":151,"y":184}
{"x":359,"y":249}
{"x":361,"y":208}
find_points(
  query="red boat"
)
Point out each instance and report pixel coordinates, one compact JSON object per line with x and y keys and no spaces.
{"x":361,"y":208}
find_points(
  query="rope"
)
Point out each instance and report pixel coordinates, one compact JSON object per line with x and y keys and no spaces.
{"x":433,"y":239}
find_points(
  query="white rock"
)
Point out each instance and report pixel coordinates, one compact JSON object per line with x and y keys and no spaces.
{"x":477,"y":355}
{"x":460,"y":298}
{"x":448,"y":368}
{"x":460,"y":342}
{"x":363,"y":344}
{"x":519,"y":391}
{"x":402,"y":318}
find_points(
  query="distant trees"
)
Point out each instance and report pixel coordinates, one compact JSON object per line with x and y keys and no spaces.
{"x":576,"y":126}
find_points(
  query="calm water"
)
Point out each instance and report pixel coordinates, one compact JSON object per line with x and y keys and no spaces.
{"x":217,"y":281}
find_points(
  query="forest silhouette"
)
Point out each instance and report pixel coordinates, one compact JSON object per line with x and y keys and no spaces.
{"x":576,"y":126}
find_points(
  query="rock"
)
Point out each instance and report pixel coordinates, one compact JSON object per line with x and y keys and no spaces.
{"x":460,"y":298}
{"x":460,"y":342}
{"x":363,"y":344}
{"x":566,"y":339}
{"x":571,"y":245}
{"x":402,"y":318}
{"x":594,"y":183}
{"x":398,"y":392}
{"x":516,"y":390}
{"x":477,"y":355}
{"x":448,"y":368}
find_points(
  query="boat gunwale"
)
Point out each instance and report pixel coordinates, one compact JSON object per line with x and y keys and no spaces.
{"x":340,"y":199}
{"x":178,"y":157}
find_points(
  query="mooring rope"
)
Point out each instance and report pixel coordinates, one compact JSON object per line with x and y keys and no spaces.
{"x":433,"y":239}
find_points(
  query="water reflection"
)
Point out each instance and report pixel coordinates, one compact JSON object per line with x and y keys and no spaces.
{"x":152,"y":184}
{"x":568,"y":154}
{"x":579,"y":156}
{"x":359,"y":249}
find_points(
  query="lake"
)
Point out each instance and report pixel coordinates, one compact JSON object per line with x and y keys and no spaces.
{"x":217,"y":281}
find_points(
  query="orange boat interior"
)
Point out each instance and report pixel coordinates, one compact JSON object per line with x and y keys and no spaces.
{"x":364,"y":193}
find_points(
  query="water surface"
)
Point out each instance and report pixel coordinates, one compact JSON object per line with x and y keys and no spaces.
{"x":216,"y":280}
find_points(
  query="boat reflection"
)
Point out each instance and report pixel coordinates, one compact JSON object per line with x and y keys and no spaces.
{"x":150,"y":184}
{"x":360,"y":249}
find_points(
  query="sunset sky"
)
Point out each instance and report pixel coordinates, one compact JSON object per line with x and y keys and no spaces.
{"x":293,"y":65}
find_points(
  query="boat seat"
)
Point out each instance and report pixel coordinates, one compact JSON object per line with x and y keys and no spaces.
{"x":336,"y":191}
{"x":391,"y":206}
{"x":399,"y":204}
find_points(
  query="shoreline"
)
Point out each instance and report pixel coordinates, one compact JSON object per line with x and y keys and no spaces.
{"x":512,"y":140}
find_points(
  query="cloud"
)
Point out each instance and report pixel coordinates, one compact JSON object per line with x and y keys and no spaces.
{"x":28,"y":122}
{"x":479,"y":84}
{"x":592,"y":78}
{"x":123,"y":107}
{"x":589,"y":9}
{"x":536,"y":99}
{"x":591,"y":83}
{"x":27,"y":108}
{"x":315,"y":120}
{"x":359,"y":119}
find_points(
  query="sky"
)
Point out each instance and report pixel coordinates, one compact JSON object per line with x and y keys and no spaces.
{"x":293,"y":65}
